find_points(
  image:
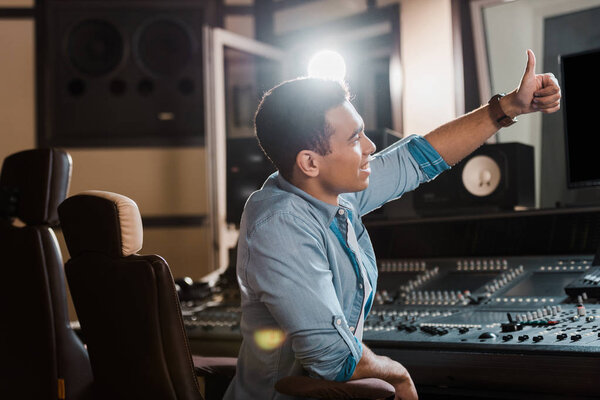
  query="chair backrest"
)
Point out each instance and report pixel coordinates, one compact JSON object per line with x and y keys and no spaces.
{"x":126,"y":303}
{"x":41,"y":355}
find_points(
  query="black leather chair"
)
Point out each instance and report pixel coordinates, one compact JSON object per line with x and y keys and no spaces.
{"x":128,"y":306}
{"x":41,"y":356}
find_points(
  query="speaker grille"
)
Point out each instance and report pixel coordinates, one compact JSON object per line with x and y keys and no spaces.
{"x":164,"y":47}
{"x":95,"y":47}
{"x":122,"y":73}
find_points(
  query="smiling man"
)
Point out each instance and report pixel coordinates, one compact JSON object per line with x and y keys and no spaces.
{"x":306,"y":266}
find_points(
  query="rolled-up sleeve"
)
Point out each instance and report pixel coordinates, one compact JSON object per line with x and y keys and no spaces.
{"x":429,"y":160}
{"x":398,"y":169}
{"x":297,"y":288}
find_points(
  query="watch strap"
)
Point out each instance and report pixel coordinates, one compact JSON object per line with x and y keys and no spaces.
{"x":497,"y":114}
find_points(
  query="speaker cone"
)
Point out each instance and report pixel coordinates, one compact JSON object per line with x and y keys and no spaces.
{"x":95,"y":47}
{"x":481,"y":176}
{"x":164,"y":47}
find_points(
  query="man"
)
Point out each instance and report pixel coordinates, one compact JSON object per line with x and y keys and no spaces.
{"x":305,"y":264}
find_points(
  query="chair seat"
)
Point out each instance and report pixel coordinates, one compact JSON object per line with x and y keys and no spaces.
{"x":214,"y":366}
{"x":304,"y":386}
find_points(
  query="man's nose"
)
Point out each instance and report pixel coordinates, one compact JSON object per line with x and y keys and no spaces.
{"x":368,"y":145}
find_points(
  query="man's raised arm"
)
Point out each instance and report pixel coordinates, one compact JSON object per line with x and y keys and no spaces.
{"x":460,"y":137}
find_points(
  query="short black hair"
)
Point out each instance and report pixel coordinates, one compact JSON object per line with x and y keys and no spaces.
{"x":291,"y":118}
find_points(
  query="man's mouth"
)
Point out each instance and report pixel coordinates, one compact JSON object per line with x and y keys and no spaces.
{"x":366,"y":166}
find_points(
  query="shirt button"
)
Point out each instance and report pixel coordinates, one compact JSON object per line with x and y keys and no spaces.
{"x":341,"y":212}
{"x":338,"y":321}
{"x":360,"y":285}
{"x":351,"y":329}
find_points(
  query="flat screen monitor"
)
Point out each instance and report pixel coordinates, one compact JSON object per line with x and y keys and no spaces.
{"x":580,"y":113}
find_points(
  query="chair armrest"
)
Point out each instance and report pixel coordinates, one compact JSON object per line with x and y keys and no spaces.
{"x":214,"y":366}
{"x":304,"y":386}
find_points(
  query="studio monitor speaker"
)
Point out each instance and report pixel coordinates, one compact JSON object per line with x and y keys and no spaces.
{"x":121,"y":73}
{"x":495,"y":177}
{"x":247,"y":170}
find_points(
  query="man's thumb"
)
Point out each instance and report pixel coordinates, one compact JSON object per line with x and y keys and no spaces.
{"x":530,"y":69}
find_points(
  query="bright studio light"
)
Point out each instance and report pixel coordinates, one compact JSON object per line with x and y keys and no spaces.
{"x":327,"y":64}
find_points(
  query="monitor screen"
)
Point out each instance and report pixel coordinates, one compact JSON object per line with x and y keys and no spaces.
{"x":582,"y":141}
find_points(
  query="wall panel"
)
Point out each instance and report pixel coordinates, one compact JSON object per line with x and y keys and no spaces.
{"x":17,"y":97}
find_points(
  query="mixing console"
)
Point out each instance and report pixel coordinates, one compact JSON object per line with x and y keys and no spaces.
{"x":493,"y":325}
{"x":214,"y":321}
{"x":490,"y":327}
{"x":518,"y":301}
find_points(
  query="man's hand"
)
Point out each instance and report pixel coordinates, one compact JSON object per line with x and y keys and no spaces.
{"x":456,"y":139}
{"x":374,"y":366}
{"x":405,"y":390}
{"x":535,"y":92}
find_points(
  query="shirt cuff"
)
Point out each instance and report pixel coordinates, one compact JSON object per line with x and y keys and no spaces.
{"x":429,"y":160}
{"x":349,"y":365}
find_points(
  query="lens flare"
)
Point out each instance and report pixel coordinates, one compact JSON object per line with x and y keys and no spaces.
{"x":327,"y":64}
{"x":269,"y":339}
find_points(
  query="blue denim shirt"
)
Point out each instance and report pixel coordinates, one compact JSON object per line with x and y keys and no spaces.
{"x":300,"y":284}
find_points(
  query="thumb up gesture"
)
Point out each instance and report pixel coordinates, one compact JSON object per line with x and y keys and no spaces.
{"x":536,"y":92}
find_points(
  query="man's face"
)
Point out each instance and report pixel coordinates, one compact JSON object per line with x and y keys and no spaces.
{"x":346,"y":168}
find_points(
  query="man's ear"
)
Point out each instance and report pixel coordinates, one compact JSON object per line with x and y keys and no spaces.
{"x":308,"y":163}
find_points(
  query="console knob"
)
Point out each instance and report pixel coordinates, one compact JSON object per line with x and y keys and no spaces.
{"x":506,"y":338}
{"x":538,"y":338}
{"x":487,"y":335}
{"x":522,"y":338}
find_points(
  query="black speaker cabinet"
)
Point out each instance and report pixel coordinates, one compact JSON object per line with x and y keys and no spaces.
{"x":247,"y":170}
{"x":495,"y":177}
{"x":121,"y":73}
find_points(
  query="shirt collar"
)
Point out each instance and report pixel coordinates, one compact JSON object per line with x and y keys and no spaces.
{"x":326,"y":210}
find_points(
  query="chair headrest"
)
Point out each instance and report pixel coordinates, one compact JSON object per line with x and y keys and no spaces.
{"x":33,"y":183}
{"x":101,"y":222}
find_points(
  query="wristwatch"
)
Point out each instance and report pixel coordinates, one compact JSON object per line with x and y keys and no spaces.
{"x":497,"y":114}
